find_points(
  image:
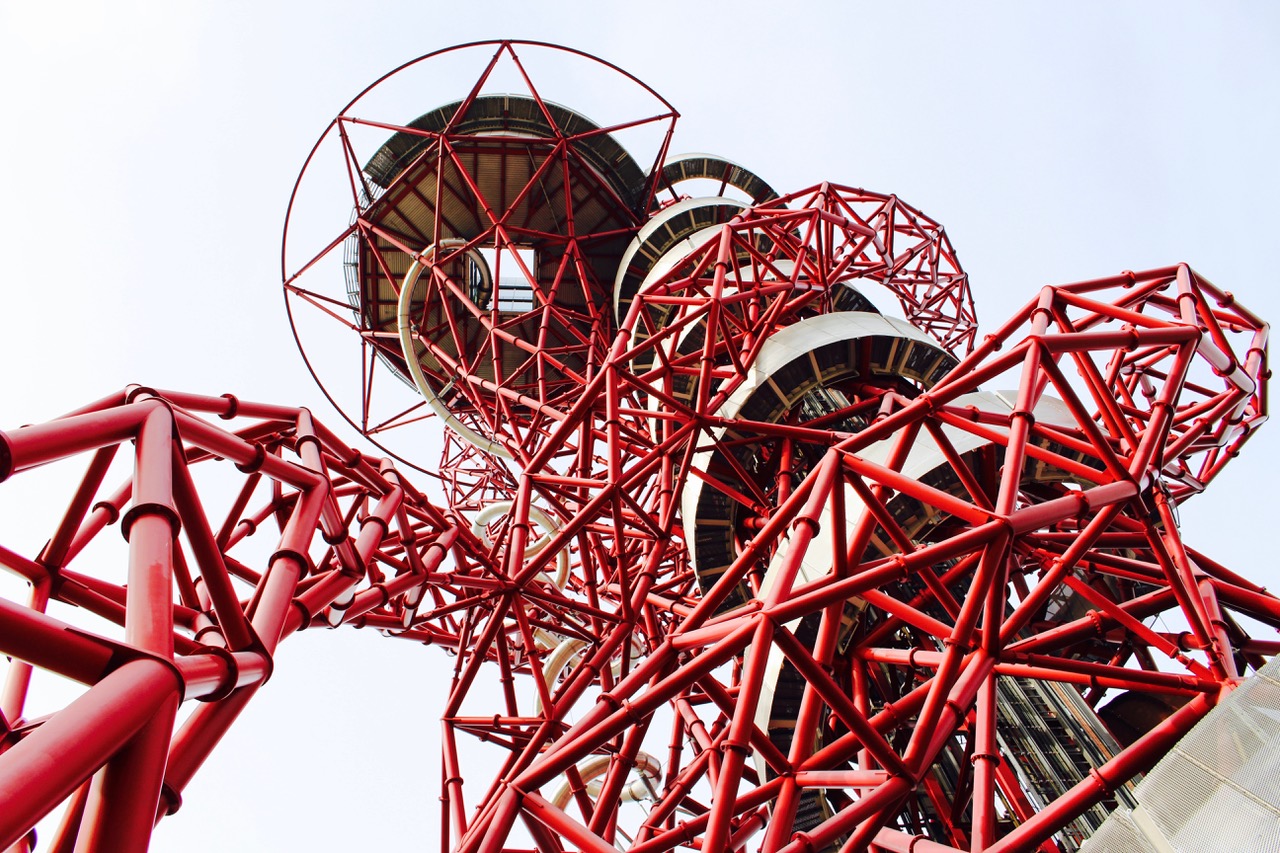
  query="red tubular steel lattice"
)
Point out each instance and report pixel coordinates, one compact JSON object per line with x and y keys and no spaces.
{"x":728,"y":559}
{"x":200,"y":619}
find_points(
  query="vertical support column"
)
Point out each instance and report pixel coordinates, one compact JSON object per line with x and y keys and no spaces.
{"x":121,"y":808}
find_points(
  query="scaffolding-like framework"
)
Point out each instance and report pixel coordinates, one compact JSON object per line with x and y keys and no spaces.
{"x":746,"y":540}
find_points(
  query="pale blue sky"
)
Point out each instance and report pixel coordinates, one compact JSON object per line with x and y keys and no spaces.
{"x":148,"y":152}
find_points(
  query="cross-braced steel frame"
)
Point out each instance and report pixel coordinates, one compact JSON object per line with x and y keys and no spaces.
{"x":725,"y":559}
{"x":200,"y":610}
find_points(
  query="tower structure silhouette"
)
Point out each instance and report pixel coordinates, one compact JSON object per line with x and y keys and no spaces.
{"x":739,"y":537}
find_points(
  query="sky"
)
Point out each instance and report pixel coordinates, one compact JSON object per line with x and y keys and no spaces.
{"x":148,"y":150}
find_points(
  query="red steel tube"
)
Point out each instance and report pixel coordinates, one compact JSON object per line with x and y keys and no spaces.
{"x":51,"y":644}
{"x":121,"y":808}
{"x":208,"y":555}
{"x":150,"y":526}
{"x":1137,"y":758}
{"x":44,"y":768}
{"x":35,"y":445}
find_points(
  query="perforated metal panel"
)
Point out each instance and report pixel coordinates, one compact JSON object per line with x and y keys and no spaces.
{"x":1217,"y":789}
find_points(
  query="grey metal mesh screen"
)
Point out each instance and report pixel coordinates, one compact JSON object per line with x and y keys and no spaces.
{"x":1217,"y":789}
{"x":1119,"y":835}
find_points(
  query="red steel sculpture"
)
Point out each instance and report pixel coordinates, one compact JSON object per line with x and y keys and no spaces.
{"x":742,"y":539}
